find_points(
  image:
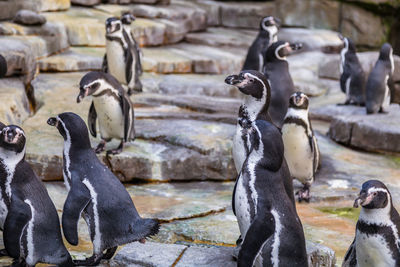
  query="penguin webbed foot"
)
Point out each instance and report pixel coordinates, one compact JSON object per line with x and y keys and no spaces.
{"x":100,"y":147}
{"x":91,"y":261}
{"x":304,"y":194}
{"x":117,"y":150}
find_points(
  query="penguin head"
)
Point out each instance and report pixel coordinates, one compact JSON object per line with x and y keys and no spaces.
{"x":386,"y":52}
{"x":373,"y":195}
{"x":270,"y":24}
{"x":280,"y":50}
{"x":348,"y":44}
{"x":251,"y":82}
{"x":127,"y":18}
{"x":12,"y":138}
{"x":94,"y":82}
{"x":72,"y":128}
{"x":298,"y":100}
{"x":3,"y":66}
{"x":113,"y":26}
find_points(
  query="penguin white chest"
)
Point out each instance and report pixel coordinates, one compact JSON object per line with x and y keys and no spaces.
{"x":242,"y":207}
{"x":298,"y":152}
{"x":111,"y":119}
{"x":373,"y":251}
{"x":116,"y":60}
{"x":238,"y":149}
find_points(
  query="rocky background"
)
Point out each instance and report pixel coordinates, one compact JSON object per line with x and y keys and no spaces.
{"x":180,"y":168}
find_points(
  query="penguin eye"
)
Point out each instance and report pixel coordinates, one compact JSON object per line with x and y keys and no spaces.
{"x":374,"y":194}
{"x":251,"y":80}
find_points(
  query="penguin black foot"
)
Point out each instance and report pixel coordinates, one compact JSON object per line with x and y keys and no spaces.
{"x":3,"y":253}
{"x":117,"y":150}
{"x":100,"y":147}
{"x":304,"y":194}
{"x":92,"y":261}
{"x":109,"y":253}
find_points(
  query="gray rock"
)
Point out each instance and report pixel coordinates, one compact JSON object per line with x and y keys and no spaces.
{"x":309,"y":13}
{"x":28,"y":17}
{"x":9,"y":8}
{"x":203,"y":256}
{"x":319,"y":255}
{"x":376,"y":133}
{"x":358,"y":24}
{"x":85,"y":2}
{"x":149,"y":254}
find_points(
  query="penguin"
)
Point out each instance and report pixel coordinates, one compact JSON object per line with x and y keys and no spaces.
{"x":379,"y":82}
{"x":268,"y":34}
{"x":352,"y":76}
{"x":277,"y":69}
{"x":3,"y":66}
{"x":113,"y":107}
{"x":122,"y":55}
{"x":28,"y":217}
{"x":376,"y":241}
{"x":269,"y":225}
{"x":301,"y":147}
{"x":256,"y":88}
{"x":96,"y":193}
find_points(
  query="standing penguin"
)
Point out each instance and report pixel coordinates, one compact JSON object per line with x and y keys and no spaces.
{"x":301,"y":147}
{"x":257,"y":90}
{"x":95,"y":192}
{"x":267,"y":35}
{"x":277,"y":69}
{"x":113,"y":107}
{"x":377,"y":240}
{"x":28,"y":217}
{"x":379,"y":80}
{"x":352,"y":78}
{"x":271,"y":229}
{"x":122,"y":53}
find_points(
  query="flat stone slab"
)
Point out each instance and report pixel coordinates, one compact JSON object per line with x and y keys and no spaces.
{"x":190,"y":58}
{"x":376,"y":133}
{"x":74,"y":59}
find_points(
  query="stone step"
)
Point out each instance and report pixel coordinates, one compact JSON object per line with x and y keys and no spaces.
{"x":8,"y":8}
{"x":180,"y":58}
{"x":85,"y":26}
{"x":166,"y":149}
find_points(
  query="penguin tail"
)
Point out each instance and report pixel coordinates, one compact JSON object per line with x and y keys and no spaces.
{"x":145,"y":228}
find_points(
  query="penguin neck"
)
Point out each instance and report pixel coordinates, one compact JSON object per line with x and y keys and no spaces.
{"x":269,"y":34}
{"x":10,"y":159}
{"x":256,"y":108}
{"x":377,"y":216}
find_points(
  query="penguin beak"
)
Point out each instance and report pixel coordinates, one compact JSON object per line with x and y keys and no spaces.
{"x":82,"y":94}
{"x":52,"y":122}
{"x":362,"y":200}
{"x":277,"y":21}
{"x":233,"y":79}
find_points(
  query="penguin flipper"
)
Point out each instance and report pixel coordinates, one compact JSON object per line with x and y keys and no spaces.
{"x":233,"y":195}
{"x":259,"y":231}
{"x":127,"y":111}
{"x":92,"y":120}
{"x":139,"y":67}
{"x":104,"y":66}
{"x":77,"y":199}
{"x":17,"y":219}
{"x":128,"y":68}
{"x":350,"y":259}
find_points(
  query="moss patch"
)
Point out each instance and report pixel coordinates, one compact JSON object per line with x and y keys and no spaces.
{"x":346,"y":212}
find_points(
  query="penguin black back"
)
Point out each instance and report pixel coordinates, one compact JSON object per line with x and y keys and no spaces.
{"x":94,"y":190}
{"x":380,"y":83}
{"x":276,"y":68}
